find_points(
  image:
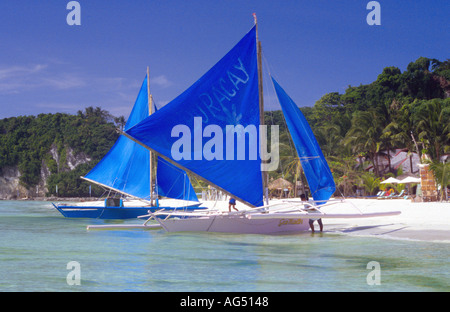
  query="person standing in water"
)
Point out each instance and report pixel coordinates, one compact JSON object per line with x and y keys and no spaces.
{"x":312,"y":209}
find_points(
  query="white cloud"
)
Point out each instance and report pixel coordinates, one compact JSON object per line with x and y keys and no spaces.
{"x":161,"y":81}
{"x":18,"y":79}
{"x":63,"y":82}
{"x":19,"y":71}
{"x":61,"y":87}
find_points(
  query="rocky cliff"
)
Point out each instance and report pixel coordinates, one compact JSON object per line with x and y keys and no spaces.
{"x":11,"y":188}
{"x":41,"y":153}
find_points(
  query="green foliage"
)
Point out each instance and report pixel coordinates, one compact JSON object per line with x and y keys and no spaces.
{"x":442,"y":175}
{"x":70,"y":185}
{"x":431,"y":121}
{"x":442,"y":69}
{"x":26,"y":142}
{"x":370,"y":182}
{"x":384,"y":115}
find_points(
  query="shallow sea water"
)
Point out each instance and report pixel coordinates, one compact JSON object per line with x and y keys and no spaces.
{"x":37,"y":243}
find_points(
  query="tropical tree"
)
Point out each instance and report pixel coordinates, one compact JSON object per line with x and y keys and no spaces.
{"x":330,"y":110}
{"x":442,"y":68}
{"x":400,"y":131}
{"x":442,"y":176}
{"x":432,"y":123}
{"x":418,"y":80}
{"x":370,"y":182}
{"x":365,"y":135}
{"x":345,"y":174}
{"x":120,"y":122}
{"x":330,"y":138}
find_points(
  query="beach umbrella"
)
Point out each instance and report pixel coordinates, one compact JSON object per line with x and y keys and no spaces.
{"x":410,"y":180}
{"x":391,"y":180}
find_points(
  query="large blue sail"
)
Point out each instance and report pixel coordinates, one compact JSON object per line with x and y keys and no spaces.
{"x":317,"y":172}
{"x":191,"y":130}
{"x":126,"y":167}
{"x":173,"y":182}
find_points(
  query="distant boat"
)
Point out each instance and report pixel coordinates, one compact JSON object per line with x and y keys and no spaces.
{"x":230,"y":95}
{"x":126,"y":169}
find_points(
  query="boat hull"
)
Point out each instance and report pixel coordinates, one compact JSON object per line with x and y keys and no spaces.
{"x":236,"y":224}
{"x":112,"y":213}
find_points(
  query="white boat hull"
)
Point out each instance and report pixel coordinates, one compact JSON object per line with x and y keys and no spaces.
{"x":253,"y":222}
{"x":236,"y":224}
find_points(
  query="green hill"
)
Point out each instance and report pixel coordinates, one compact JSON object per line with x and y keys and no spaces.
{"x":52,"y":143}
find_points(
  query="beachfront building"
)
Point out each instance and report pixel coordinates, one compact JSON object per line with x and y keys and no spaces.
{"x":396,"y":159}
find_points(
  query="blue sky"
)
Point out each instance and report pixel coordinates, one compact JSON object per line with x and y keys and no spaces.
{"x":312,"y":47}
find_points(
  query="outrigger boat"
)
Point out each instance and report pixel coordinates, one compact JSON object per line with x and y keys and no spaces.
{"x":127,"y":170}
{"x":118,"y":208}
{"x":229,"y":98}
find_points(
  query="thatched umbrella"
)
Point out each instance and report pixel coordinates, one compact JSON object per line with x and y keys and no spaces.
{"x":276,"y":187}
{"x":280,"y":184}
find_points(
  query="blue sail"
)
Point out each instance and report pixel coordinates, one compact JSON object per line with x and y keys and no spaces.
{"x":126,"y":167}
{"x":173,"y":182}
{"x":191,"y":130}
{"x":317,"y":172}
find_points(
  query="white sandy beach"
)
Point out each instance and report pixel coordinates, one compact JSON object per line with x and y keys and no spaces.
{"x":417,"y":221}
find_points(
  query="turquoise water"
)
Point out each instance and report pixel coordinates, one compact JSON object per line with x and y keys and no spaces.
{"x":37,"y":243}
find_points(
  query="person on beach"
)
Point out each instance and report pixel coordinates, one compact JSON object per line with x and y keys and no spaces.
{"x":311,"y":221}
{"x":232,"y":203}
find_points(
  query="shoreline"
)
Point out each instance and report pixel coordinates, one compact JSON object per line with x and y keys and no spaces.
{"x":418,"y":221}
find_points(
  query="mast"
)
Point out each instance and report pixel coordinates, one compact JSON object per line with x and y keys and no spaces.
{"x":158,"y":148}
{"x":150,"y":111}
{"x":261,"y":108}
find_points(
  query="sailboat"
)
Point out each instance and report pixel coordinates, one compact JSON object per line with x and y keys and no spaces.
{"x":127,"y":170}
{"x":202,"y":132}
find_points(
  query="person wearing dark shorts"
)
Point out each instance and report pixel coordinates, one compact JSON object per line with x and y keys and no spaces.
{"x":311,"y":224}
{"x":232,"y":203}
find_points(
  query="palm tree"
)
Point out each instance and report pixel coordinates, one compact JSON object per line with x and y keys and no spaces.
{"x":365,"y":135}
{"x":120,"y":122}
{"x":431,"y":119}
{"x":294,"y":168}
{"x":370,"y":182}
{"x":400,"y":131}
{"x":330,"y":135}
{"x":344,"y":173}
{"x":442,"y":176}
